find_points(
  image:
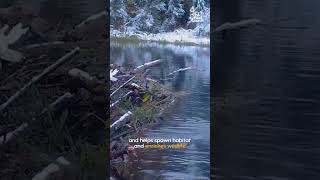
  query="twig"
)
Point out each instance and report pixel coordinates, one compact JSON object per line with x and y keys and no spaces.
{"x":37,"y":78}
{"x":44,"y":44}
{"x":52,"y":168}
{"x":122,"y":86}
{"x":115,"y":103}
{"x":152,"y":80}
{"x":91,"y":18}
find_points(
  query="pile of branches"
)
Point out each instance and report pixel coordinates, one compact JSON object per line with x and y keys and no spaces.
{"x":137,"y":101}
{"x":52,"y":94}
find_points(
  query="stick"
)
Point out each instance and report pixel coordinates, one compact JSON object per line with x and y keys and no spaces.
{"x":148,"y":64}
{"x":37,"y":78}
{"x":51,"y":168}
{"x":91,"y":18}
{"x":9,"y":136}
{"x":122,"y":120}
{"x":122,"y":86}
{"x":152,"y":80}
{"x":243,"y":23}
{"x":179,"y":70}
{"x":44,"y":44}
{"x":115,"y":103}
{"x":60,"y":100}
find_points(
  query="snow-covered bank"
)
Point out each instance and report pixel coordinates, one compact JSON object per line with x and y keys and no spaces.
{"x":177,"y":36}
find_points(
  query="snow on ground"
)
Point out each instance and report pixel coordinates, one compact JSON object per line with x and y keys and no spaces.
{"x":178,"y":36}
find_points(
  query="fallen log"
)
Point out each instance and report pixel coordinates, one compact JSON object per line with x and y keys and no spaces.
{"x":121,"y":121}
{"x":37,"y":78}
{"x":235,"y":25}
{"x":9,"y":136}
{"x":148,"y":64}
{"x":179,"y":70}
{"x":52,"y":168}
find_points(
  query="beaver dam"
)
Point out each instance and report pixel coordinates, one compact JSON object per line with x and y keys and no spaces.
{"x":159,"y":91}
{"x":136,"y":101}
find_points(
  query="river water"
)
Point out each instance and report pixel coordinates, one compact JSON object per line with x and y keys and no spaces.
{"x":189,"y":117}
{"x":267,"y":113}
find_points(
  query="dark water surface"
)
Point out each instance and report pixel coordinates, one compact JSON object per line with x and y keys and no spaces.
{"x":189,"y":117}
{"x":267,"y":92}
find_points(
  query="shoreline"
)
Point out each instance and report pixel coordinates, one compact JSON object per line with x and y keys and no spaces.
{"x":178,"y":37}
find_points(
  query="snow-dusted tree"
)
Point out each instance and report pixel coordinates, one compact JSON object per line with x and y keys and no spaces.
{"x":118,"y":13}
{"x":173,"y":14}
{"x":156,"y":16}
{"x":201,"y":15}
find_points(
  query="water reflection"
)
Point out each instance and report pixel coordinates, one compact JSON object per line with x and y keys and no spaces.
{"x":268,"y":82}
{"x":190,"y":116}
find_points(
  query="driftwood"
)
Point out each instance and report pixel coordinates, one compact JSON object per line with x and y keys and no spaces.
{"x":37,"y":78}
{"x":121,"y":121}
{"x":91,"y":18}
{"x":9,"y":136}
{"x":122,"y":86}
{"x":235,"y":25}
{"x":5,"y":40}
{"x":54,"y":167}
{"x":148,"y":64}
{"x":179,"y":70}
